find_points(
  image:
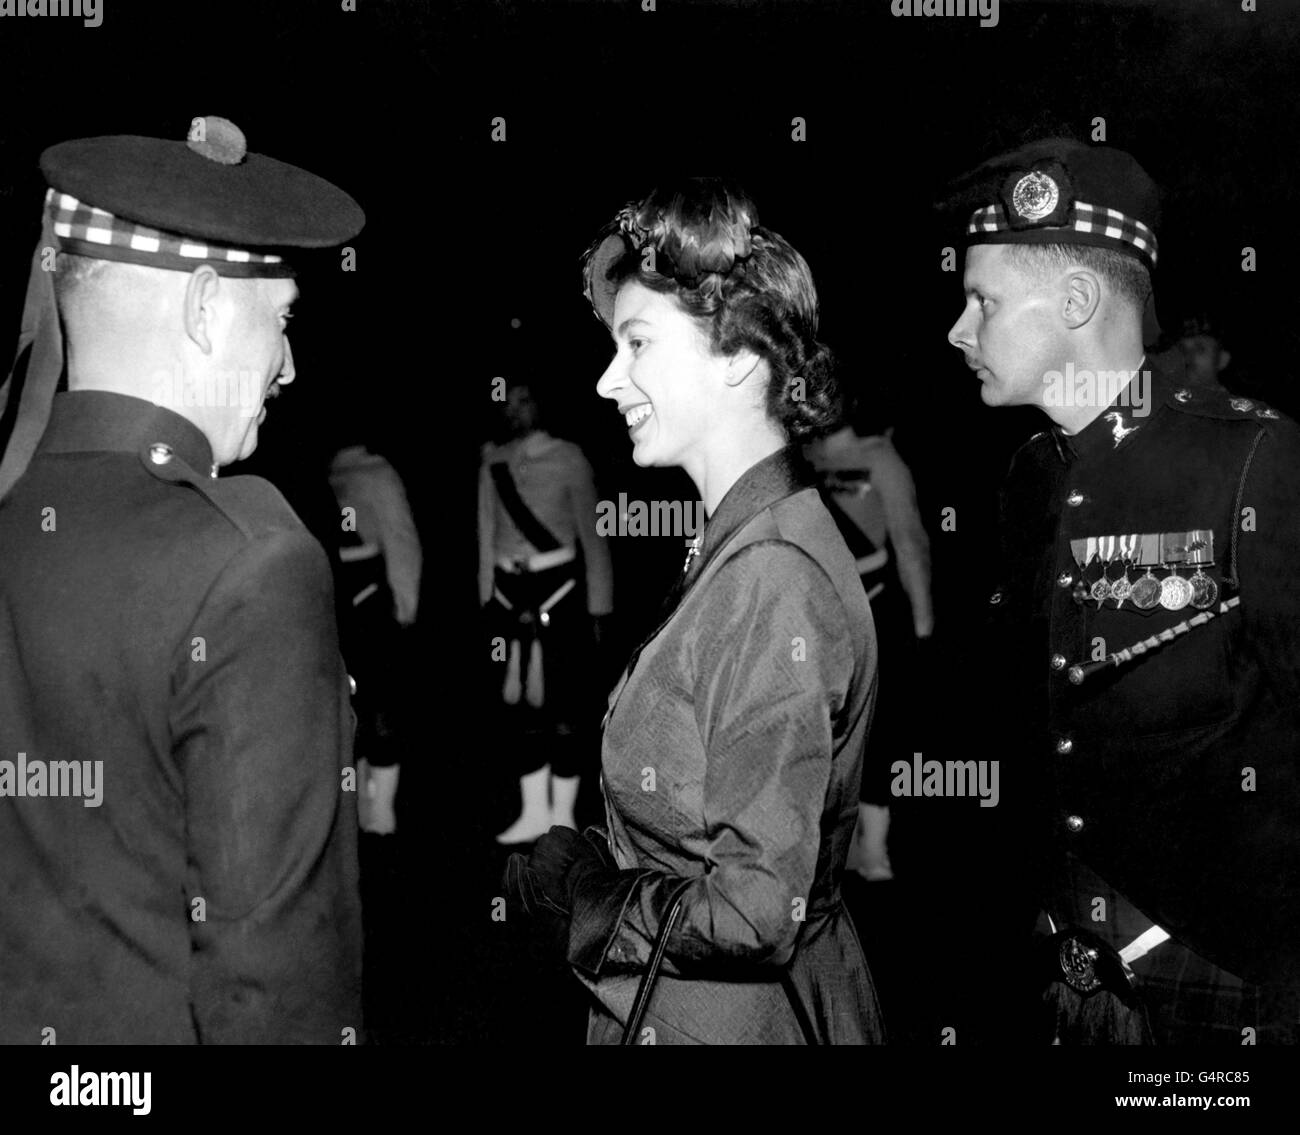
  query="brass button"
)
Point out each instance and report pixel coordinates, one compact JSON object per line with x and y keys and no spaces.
{"x":1076,"y":675}
{"x":1241,"y":404}
{"x":1075,"y":499}
{"x":1065,"y":746}
{"x":352,"y":685}
{"x":160,"y":454}
{"x":1183,"y":395}
{"x":1058,"y":662}
{"x":996,"y":597}
{"x":1064,"y":579}
{"x":1074,"y":823}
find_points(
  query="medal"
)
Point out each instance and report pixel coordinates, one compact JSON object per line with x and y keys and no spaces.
{"x":1082,"y":551}
{"x":1205,"y":592}
{"x":1106,"y":549}
{"x":1146,"y":591}
{"x":1175,"y":591}
{"x":1121,"y":589}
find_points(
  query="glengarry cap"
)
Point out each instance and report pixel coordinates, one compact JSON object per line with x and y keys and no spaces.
{"x":165,"y":204}
{"x":1061,"y":191}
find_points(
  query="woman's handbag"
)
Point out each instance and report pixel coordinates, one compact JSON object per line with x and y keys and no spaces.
{"x":645,"y":990}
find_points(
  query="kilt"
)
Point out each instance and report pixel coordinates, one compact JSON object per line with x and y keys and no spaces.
{"x":379,"y":654}
{"x":548,"y":690}
{"x":1188,"y":999}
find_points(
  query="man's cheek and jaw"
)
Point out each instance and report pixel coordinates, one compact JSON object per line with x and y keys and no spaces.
{"x":249,"y":441}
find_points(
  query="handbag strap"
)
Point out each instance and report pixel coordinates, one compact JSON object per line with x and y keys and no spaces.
{"x":645,"y":990}
{"x":647,"y":986}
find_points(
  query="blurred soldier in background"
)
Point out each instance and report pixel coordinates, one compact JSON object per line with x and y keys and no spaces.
{"x":1204,"y":354}
{"x":381,"y":562}
{"x":870,"y":493}
{"x":536,"y":508}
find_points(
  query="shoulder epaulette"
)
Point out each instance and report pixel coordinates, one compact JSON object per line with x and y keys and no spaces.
{"x":1216,"y":402}
{"x":251,"y":504}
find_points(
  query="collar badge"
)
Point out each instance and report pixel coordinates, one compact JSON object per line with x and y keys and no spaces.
{"x":1118,"y":430}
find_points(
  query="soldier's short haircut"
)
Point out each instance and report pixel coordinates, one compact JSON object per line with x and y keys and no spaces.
{"x":1125,"y":275}
{"x":73,"y":273}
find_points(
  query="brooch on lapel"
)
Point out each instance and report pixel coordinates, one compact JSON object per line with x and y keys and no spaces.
{"x":691,"y":553}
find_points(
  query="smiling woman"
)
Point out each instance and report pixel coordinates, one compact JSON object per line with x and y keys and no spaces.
{"x":693,"y":265}
{"x":733,"y":743}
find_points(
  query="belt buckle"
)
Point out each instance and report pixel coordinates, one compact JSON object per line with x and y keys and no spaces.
{"x":1078,"y":962}
{"x":1086,"y":963}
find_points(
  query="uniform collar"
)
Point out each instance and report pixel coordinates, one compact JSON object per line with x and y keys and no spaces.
{"x":775,"y":477}
{"x":1122,"y":422}
{"x":88,"y":421}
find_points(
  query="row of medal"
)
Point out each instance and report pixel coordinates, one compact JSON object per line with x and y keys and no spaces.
{"x":1145,"y":592}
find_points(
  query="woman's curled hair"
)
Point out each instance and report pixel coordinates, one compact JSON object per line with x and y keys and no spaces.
{"x":745,"y":286}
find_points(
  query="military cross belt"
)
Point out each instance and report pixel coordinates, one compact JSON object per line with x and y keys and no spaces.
{"x":1081,"y":671}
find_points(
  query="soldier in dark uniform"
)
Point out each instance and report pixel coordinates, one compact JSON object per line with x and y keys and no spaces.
{"x":177,"y":841}
{"x":1149,"y":601}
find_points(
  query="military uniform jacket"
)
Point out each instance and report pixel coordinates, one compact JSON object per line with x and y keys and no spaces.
{"x":732,"y":755}
{"x":1173,"y":775}
{"x":180,"y":630}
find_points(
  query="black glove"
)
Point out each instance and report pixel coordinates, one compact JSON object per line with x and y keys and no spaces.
{"x":561,"y":859}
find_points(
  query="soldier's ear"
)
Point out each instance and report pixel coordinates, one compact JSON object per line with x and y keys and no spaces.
{"x":1082,"y":298}
{"x":1225,"y":357}
{"x":199,"y":310}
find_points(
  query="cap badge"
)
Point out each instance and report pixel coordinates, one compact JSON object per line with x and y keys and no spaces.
{"x":1035,"y":196}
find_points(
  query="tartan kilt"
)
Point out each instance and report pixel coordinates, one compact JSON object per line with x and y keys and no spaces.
{"x":1188,"y":1000}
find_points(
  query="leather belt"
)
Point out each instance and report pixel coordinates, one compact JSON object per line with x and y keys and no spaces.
{"x":540,"y":561}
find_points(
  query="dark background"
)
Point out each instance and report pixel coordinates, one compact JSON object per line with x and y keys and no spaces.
{"x":601,"y":100}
